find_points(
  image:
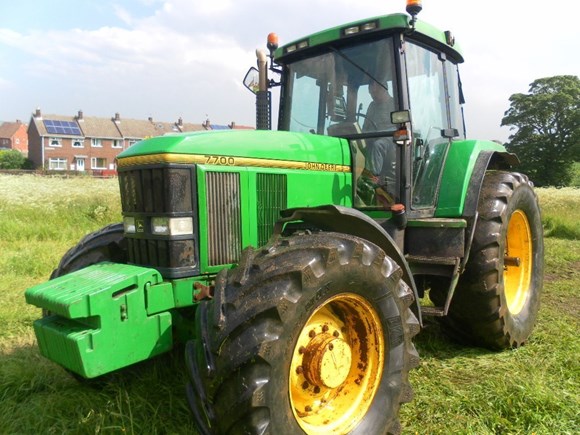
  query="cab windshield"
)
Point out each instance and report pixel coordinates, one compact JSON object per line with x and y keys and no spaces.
{"x":342,"y":91}
{"x":350,"y":93}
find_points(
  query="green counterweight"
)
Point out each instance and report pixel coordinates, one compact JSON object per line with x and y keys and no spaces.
{"x":104,"y":317}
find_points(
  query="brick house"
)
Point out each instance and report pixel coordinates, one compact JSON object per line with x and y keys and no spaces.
{"x":13,"y":135}
{"x":86,"y":143}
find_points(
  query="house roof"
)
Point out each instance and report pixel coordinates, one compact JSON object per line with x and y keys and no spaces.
{"x":40,"y":126}
{"x":9,"y":129}
{"x":188,"y":126}
{"x":92,"y":126}
{"x":142,"y":128}
{"x":116,"y":127}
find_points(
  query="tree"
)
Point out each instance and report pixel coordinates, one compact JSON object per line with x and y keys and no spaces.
{"x":12,"y":159}
{"x":547,"y":124}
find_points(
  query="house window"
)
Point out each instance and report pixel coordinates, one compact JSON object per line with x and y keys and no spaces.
{"x":17,"y":141}
{"x":97,"y":143}
{"x":57,"y":164}
{"x":55,"y":142}
{"x":117,"y":143}
{"x":78,"y":143}
{"x":98,"y":163}
{"x":132,"y":142}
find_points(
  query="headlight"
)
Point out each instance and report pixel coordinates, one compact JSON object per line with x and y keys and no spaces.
{"x":129,"y":224}
{"x":165,"y":226}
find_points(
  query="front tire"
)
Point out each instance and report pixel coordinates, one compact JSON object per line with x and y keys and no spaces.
{"x":311,"y":335}
{"x":106,"y":244}
{"x":498,"y":296}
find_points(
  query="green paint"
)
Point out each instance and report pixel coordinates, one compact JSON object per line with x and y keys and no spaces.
{"x":457,"y":174}
{"x":257,"y":144}
{"x":386,"y":23}
{"x":104,"y":317}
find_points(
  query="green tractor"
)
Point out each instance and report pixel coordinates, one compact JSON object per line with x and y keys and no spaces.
{"x":293,"y":263}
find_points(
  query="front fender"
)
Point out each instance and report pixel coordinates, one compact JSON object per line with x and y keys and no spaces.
{"x":351,"y":221}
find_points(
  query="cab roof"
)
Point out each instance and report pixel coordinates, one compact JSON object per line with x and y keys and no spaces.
{"x":369,"y":27}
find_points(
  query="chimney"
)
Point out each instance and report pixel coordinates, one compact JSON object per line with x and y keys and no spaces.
{"x":206,"y":124}
{"x":117,"y":118}
{"x":37,"y":114}
{"x":80,"y":116}
{"x":18,"y":121}
{"x":180,"y":122}
{"x":232,"y":125}
{"x":150,"y":119}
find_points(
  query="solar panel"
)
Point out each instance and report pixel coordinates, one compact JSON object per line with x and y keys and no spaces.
{"x":69,"y":128}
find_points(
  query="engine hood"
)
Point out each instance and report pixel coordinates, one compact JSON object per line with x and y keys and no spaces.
{"x":209,"y":146}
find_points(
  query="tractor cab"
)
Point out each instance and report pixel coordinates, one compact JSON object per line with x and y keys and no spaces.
{"x":389,"y":86}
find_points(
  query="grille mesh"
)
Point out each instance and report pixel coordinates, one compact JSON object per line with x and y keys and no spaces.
{"x":271,"y":193}
{"x":224,"y":217}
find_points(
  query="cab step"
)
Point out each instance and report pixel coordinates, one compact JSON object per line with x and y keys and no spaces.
{"x":432,"y":311}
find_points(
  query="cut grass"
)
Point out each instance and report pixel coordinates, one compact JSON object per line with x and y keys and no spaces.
{"x":534,"y":389}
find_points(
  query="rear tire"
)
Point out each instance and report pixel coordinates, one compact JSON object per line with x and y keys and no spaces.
{"x":311,"y":334}
{"x":496,"y":302}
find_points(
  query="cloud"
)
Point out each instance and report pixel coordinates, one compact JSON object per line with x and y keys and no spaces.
{"x":123,"y":14}
{"x":151,"y":67}
{"x":168,"y":58}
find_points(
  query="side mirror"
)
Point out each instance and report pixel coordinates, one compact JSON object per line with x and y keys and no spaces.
{"x":401,"y":136}
{"x":400,"y":117}
{"x":252,"y":80}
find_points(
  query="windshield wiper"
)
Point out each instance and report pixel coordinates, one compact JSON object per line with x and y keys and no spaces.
{"x":357,"y":66}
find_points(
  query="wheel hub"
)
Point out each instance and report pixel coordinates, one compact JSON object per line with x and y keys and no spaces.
{"x":336,"y":365}
{"x":327,"y":361}
{"x":517,"y":262}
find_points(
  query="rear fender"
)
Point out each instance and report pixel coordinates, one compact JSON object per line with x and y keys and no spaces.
{"x":465,"y":166}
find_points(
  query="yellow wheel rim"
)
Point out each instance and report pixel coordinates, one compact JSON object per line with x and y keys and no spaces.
{"x":336,"y":365}
{"x":517,"y":262}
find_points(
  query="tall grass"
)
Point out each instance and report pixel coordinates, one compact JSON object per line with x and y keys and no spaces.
{"x":534,"y":389}
{"x":560,"y":212}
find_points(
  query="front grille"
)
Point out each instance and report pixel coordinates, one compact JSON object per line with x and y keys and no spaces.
{"x":156,"y":190}
{"x":224,"y":217}
{"x":271,"y":194}
{"x":170,"y":191}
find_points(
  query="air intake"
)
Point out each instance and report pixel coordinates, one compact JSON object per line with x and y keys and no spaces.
{"x":224,"y":217}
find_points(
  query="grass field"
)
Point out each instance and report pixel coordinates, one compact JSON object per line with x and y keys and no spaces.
{"x":534,"y":389}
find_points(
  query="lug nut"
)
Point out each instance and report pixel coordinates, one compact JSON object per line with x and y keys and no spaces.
{"x":308,"y":409}
{"x":325,"y":328}
{"x":299,"y":370}
{"x":301,"y":349}
{"x":305,"y":385}
{"x":336,"y":334}
{"x":312,"y":334}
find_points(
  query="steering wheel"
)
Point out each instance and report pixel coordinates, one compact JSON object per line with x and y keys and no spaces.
{"x":366,"y":118}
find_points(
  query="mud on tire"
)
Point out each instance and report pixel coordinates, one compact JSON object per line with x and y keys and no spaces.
{"x":261,"y":362}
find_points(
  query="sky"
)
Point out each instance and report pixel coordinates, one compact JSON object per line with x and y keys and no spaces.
{"x":167,"y":59}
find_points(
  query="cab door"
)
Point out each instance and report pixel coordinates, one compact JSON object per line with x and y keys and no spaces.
{"x":433,"y":94}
